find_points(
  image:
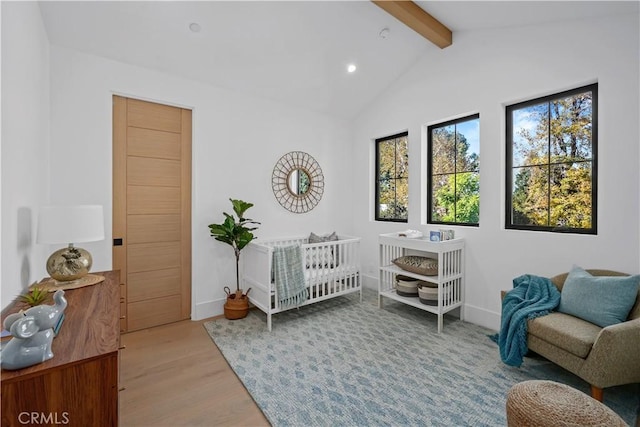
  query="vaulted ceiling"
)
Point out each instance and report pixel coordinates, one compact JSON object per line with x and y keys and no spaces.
{"x":295,"y":52}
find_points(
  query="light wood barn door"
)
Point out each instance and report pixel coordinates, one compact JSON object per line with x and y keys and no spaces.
{"x":152,"y":211}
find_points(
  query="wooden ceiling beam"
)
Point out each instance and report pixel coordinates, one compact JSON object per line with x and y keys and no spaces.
{"x":414,"y":17}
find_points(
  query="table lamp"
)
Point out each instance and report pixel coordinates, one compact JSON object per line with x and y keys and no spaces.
{"x":70,"y":224}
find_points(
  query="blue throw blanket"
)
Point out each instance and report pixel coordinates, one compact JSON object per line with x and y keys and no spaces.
{"x":531,"y":296}
{"x":289,"y":275}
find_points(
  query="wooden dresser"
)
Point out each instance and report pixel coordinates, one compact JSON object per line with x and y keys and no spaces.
{"x":79,"y":386}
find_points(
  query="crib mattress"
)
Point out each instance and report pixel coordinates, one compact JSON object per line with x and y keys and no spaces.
{"x":315,"y":276}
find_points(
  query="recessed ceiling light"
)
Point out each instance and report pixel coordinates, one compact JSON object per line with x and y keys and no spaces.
{"x":194,"y":27}
{"x":351,"y":68}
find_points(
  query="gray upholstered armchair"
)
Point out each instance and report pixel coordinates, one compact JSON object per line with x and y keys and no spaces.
{"x":604,"y":357}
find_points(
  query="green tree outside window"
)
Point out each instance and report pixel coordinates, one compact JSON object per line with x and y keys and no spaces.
{"x":551,"y":155}
{"x":454,"y":171}
{"x":392,"y":178}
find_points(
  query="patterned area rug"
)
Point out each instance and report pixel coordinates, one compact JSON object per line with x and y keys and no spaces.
{"x":342,"y":362}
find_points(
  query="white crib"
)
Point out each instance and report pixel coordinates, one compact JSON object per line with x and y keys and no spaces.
{"x":331,"y":269}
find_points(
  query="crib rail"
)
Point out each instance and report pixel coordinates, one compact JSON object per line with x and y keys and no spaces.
{"x":331,"y":269}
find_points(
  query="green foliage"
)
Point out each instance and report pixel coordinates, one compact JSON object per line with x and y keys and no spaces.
{"x":571,"y":199}
{"x":394,"y":210}
{"x":458,"y":199}
{"x":393,"y":175}
{"x":35,"y":296}
{"x":236,"y":231}
{"x":553,"y":186}
{"x":519,"y":197}
{"x":451,"y":152}
{"x":455,"y":181}
{"x":304,"y":182}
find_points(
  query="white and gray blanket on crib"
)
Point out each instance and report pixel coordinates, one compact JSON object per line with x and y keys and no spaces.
{"x":289,"y":275}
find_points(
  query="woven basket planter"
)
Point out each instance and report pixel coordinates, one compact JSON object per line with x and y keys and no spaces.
{"x":237,"y":305}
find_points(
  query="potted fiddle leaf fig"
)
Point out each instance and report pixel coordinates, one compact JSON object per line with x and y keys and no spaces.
{"x":236,"y":231}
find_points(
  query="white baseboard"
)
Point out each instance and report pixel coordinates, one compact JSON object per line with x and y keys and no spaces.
{"x":208,"y":309}
{"x":472,"y":314}
{"x":369,"y":282}
{"x":483,"y":317}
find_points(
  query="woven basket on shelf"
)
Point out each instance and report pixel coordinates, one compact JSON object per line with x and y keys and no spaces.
{"x":406,"y":286}
{"x":428,"y":293}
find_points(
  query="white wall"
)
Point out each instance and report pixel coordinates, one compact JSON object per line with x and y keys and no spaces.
{"x":236,"y":143}
{"x":481,"y":72}
{"x":25,"y":140}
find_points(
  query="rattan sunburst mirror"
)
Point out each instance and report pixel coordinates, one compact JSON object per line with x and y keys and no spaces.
{"x":297,"y":182}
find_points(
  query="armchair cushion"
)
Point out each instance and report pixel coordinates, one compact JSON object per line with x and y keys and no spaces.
{"x":602,"y":300}
{"x":567,"y":332}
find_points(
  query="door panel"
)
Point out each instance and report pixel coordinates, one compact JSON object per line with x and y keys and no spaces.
{"x":154,"y":284}
{"x":153,"y":228}
{"x":149,"y":115}
{"x":153,"y":143}
{"x":153,"y":256}
{"x":153,"y":200}
{"x":153,"y":172}
{"x":153,"y":312}
{"x":152,"y":210}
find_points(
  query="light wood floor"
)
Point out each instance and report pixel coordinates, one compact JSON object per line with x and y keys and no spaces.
{"x":174,"y":375}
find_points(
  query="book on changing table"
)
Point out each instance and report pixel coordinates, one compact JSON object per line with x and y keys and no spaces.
{"x":441,"y":235}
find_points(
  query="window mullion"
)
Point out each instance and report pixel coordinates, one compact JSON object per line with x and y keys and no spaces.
{"x":395,"y":176}
{"x":455,"y":173}
{"x":549,"y":164}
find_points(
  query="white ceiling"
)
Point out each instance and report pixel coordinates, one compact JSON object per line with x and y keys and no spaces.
{"x":295,"y":52}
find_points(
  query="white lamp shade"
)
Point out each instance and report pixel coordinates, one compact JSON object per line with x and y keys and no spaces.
{"x":70,"y":224}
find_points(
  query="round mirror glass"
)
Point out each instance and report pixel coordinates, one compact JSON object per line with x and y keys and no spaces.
{"x":298,"y":182}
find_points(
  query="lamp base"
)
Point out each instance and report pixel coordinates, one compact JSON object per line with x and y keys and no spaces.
{"x":69,"y":263}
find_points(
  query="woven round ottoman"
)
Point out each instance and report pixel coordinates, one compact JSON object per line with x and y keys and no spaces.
{"x":548,"y":403}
